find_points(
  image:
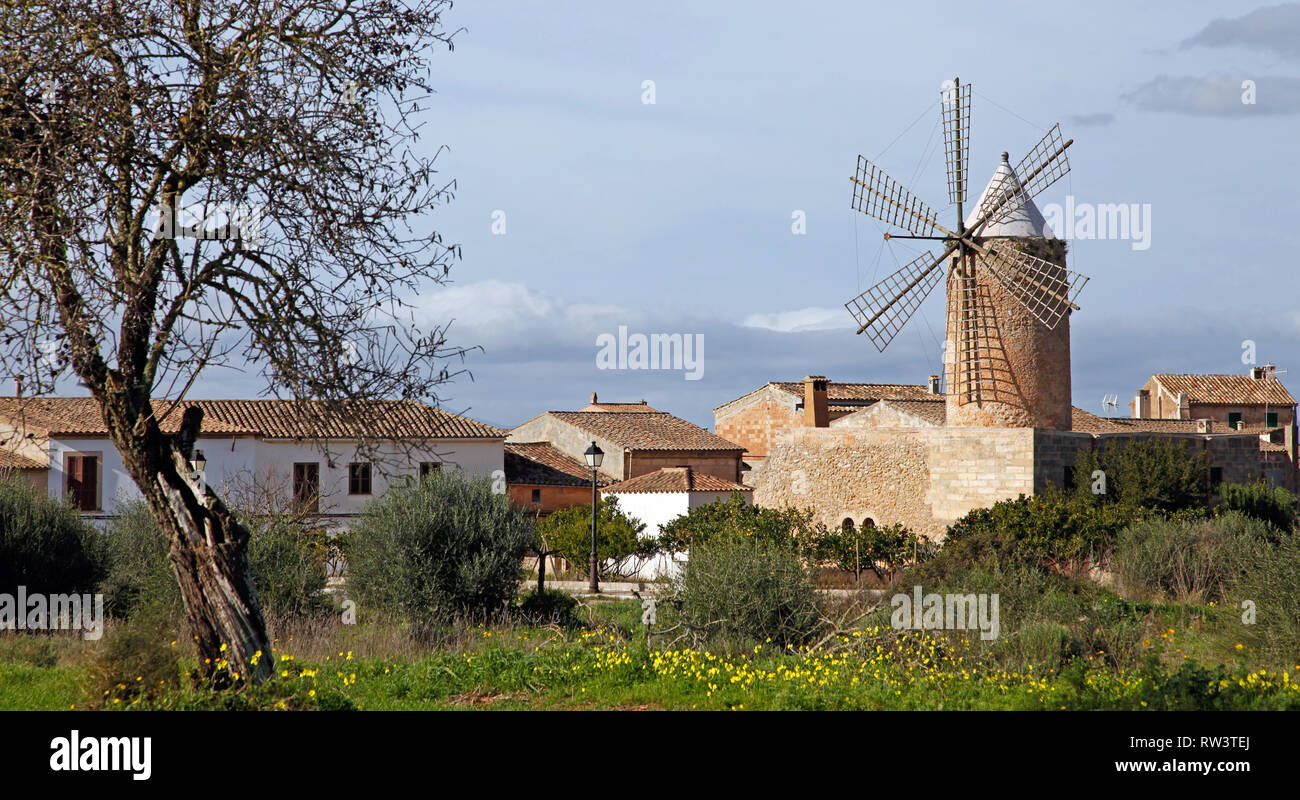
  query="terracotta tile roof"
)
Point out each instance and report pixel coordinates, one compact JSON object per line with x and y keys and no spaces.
{"x":619,"y":407}
{"x":676,"y":479}
{"x":1085,"y":422}
{"x":277,"y":419}
{"x":1227,"y":389}
{"x":12,"y":460}
{"x":655,"y":430}
{"x":863,"y":391}
{"x":540,"y":464}
{"x":935,"y":411}
{"x":389,"y":418}
{"x":80,"y":416}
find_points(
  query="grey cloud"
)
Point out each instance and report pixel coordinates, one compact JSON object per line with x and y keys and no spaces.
{"x":1271,"y":28}
{"x":1217,"y":95}
{"x":1096,"y":119}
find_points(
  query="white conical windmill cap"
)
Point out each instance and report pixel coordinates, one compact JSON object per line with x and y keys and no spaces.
{"x":1024,"y":221}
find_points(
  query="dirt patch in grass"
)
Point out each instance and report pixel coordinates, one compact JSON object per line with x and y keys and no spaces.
{"x":479,"y":697}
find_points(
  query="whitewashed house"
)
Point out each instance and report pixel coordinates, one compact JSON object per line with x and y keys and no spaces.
{"x":659,"y":497}
{"x":269,"y":449}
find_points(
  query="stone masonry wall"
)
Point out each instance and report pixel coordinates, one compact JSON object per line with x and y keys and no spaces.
{"x":755,"y":426}
{"x":883,"y":476}
{"x":923,"y":478}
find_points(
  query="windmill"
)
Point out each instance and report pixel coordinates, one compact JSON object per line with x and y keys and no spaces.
{"x":1007,"y":351}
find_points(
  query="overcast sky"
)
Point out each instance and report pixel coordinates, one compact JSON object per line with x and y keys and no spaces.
{"x":676,"y":216}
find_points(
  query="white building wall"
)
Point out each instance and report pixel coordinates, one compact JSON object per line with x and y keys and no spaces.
{"x":275,"y":460}
{"x":116,"y":485}
{"x":657,"y":509}
{"x":233,"y":461}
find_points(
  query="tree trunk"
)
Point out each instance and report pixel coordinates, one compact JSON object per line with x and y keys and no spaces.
{"x":208,"y":549}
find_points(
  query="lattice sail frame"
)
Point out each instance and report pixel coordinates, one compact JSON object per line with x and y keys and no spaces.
{"x":883,"y":310}
{"x":1043,"y":166}
{"x":1047,"y":290}
{"x":880,"y":196}
{"x":954,"y":105}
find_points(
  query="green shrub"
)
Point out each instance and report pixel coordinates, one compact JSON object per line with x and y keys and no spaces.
{"x":1053,"y":529}
{"x":548,"y":607}
{"x":1198,"y":560}
{"x":44,"y":545}
{"x":735,"y":518}
{"x":1275,"y":505}
{"x":1146,"y":473}
{"x":1045,"y":618}
{"x":1269,"y":584}
{"x":443,"y":546}
{"x":883,"y":550}
{"x":136,"y":662}
{"x":734,"y":592}
{"x":618,"y":537}
{"x":287,"y":560}
{"x":139,"y":581}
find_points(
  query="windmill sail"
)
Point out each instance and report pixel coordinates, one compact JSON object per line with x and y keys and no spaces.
{"x":1048,"y":290}
{"x":883,"y":310}
{"x":879,"y":196}
{"x":1044,"y":165}
{"x":955,"y":107}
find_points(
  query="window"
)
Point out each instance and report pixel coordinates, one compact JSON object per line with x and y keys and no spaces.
{"x":537,"y":495}
{"x":359,"y":478}
{"x":306,"y":486}
{"x":847,"y":525}
{"x":82,"y":489}
{"x":1216,"y":477}
{"x":1270,"y":419}
{"x":868,"y":523}
{"x":1233,"y":418}
{"x":428,"y":467}
{"x":1068,"y":481}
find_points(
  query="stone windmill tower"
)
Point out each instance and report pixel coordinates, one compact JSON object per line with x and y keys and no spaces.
{"x":1009,"y":293}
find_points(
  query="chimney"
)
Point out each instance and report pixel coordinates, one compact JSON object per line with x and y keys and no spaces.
{"x":1264,"y":373}
{"x":18,"y":385}
{"x":1205,"y":426}
{"x":1142,"y":405}
{"x":815,"y":413}
{"x":1184,"y":406}
{"x":593,"y":398}
{"x":1241,"y":425}
{"x":934,"y":384}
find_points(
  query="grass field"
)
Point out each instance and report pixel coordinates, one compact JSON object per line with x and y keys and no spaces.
{"x":611,"y":664}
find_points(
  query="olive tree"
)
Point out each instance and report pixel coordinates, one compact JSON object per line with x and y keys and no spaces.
{"x":186,"y":184}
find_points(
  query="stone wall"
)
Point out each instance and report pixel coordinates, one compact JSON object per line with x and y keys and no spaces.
{"x":924,"y":478}
{"x":854,"y":475}
{"x":754,"y":420}
{"x":1054,"y":455}
{"x":976,"y":467}
{"x":706,"y":462}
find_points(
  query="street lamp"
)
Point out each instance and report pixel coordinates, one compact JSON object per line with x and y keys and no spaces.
{"x":594,"y":456}
{"x":198,"y":464}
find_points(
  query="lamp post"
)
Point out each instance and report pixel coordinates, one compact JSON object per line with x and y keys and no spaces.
{"x":594,"y":456}
{"x":198,"y":464}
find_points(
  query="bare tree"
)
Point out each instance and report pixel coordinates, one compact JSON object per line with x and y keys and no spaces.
{"x":186,"y":184}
